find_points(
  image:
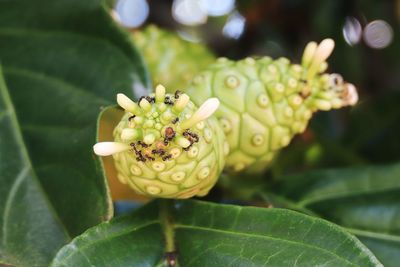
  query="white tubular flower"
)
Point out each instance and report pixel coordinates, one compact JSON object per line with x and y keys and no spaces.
{"x":127,"y":104}
{"x":109,"y":148}
{"x":206,"y":110}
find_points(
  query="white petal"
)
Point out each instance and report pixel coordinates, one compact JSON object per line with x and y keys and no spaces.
{"x":324,"y":50}
{"x":308,"y":53}
{"x":126,"y":103}
{"x":206,"y":110}
{"x":352,"y":94}
{"x":109,"y":148}
{"x":182,"y":101}
{"x":160,"y":93}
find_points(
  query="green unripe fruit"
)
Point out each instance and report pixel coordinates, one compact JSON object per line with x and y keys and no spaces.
{"x":171,"y":60}
{"x":265,"y":102}
{"x":165,"y":147}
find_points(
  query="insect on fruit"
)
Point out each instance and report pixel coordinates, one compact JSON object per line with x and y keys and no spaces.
{"x":173,"y":150}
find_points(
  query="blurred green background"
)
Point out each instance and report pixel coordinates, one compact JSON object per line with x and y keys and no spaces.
{"x":367,"y":54}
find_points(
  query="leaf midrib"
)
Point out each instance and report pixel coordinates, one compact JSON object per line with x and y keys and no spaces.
{"x":198,"y":228}
{"x":10,"y":198}
{"x":262,"y":237}
{"x":326,"y":196}
{"x":375,"y":235}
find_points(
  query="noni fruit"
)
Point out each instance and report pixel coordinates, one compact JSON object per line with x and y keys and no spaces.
{"x":165,"y":147}
{"x":265,"y":102}
{"x":171,"y":60}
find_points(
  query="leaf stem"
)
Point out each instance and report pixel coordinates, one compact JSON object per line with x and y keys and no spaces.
{"x":375,"y":235}
{"x":166,"y":222}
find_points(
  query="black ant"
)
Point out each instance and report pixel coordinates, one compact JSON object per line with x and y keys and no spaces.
{"x":303,"y":81}
{"x":160,"y":152}
{"x":169,"y":135}
{"x":149,"y":157}
{"x":174,"y":121}
{"x":177,"y":94}
{"x":192,"y":137}
{"x":166,"y":157}
{"x":142,"y":144}
{"x":131,"y":117}
{"x":165,"y":141}
{"x":133,"y":147}
{"x":150,"y":99}
{"x":168,"y":101}
{"x":141,"y":158}
{"x":138,"y":153}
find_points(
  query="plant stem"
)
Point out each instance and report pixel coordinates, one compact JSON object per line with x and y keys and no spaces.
{"x":166,"y":222}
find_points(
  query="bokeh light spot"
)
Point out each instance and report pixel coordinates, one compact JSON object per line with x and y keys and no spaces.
{"x":189,"y":12}
{"x":131,"y":13}
{"x":378,"y":34}
{"x":352,"y":31}
{"x":218,"y":7}
{"x":234,"y":26}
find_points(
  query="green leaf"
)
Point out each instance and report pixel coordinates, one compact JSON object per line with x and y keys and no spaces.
{"x":63,"y":61}
{"x":207,"y":234}
{"x":135,"y":240}
{"x":365,"y":200}
{"x":27,"y":218}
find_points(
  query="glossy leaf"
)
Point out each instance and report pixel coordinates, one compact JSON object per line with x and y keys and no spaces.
{"x":63,"y":61}
{"x":365,"y":200}
{"x":26,"y":216}
{"x":209,"y":234}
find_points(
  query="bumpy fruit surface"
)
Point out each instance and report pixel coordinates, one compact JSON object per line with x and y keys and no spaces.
{"x":166,"y":147}
{"x":265,"y":102}
{"x":171,"y":60}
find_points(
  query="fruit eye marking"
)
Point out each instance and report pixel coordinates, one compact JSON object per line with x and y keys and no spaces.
{"x":178,"y":176}
{"x":226,"y":125}
{"x":232,"y":82}
{"x":203,"y":173}
{"x":153,"y":190}
{"x":257,"y":140}
{"x":135,"y":170}
{"x":262,"y":100}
